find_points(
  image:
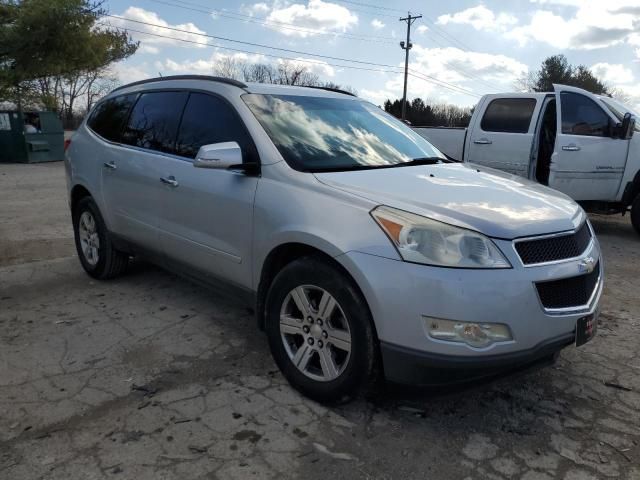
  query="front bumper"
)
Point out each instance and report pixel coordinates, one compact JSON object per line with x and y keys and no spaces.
{"x":402,"y":296}
{"x":414,"y":367}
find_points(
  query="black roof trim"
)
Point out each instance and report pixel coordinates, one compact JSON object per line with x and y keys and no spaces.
{"x":210,"y":78}
{"x":330,"y":89}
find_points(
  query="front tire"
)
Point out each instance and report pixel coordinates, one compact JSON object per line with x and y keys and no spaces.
{"x":635,"y":214}
{"x":93,"y":242}
{"x":320,"y":331}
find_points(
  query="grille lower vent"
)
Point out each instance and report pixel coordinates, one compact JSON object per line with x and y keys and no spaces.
{"x":569,"y":292}
{"x":554,"y":248}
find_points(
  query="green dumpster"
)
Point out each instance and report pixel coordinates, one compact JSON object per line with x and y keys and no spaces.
{"x":31,"y":137}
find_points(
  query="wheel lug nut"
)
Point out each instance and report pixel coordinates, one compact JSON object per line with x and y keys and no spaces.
{"x":310,"y":341}
{"x":319,"y":321}
{"x":320,"y":343}
{"x":310,"y":319}
{"x":325,"y":334}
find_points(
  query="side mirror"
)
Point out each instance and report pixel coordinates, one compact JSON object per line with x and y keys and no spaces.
{"x":221,"y":156}
{"x":627,"y":126}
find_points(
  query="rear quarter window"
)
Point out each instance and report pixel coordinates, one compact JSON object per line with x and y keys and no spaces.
{"x":109,"y":116}
{"x":510,"y":115}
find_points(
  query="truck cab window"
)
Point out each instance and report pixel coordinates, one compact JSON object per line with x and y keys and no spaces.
{"x":510,"y":115}
{"x":582,"y":116}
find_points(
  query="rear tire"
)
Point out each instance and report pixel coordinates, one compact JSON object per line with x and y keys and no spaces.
{"x":635,"y":214}
{"x":332,"y":341}
{"x":93,"y":242}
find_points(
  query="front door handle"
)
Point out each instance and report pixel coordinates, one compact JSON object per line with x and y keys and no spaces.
{"x":110,"y":165}
{"x":570,"y":148}
{"x":171,"y":181}
{"x":483,"y":141}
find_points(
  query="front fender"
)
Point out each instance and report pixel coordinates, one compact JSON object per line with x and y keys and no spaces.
{"x":275,"y":239}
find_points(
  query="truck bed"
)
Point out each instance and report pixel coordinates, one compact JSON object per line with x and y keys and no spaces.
{"x":449,"y":140}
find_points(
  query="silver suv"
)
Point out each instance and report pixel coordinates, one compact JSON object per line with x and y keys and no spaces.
{"x":362,"y":248}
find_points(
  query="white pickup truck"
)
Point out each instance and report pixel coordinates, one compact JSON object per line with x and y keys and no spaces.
{"x":571,"y":140}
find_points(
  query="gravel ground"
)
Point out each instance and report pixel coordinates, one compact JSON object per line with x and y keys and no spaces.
{"x":150,"y":376}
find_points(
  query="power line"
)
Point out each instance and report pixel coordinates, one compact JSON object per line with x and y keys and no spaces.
{"x":448,"y":37}
{"x":253,"y":44}
{"x":249,"y":18}
{"x":378,"y":13}
{"x":459,"y":70}
{"x":432,"y":80}
{"x":463,"y":72}
{"x":272,"y":23}
{"x":442,"y":83}
{"x":222,"y":47}
{"x":370,"y":5}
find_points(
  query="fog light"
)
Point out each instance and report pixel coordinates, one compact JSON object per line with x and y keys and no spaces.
{"x":471,"y":333}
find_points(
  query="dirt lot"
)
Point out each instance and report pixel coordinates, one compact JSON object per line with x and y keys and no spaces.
{"x":152,"y":377}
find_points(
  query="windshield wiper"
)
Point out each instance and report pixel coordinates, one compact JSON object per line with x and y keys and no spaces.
{"x":420,"y":161}
{"x":410,"y":163}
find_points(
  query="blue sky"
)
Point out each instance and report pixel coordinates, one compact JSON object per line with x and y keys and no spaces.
{"x":461,"y":49}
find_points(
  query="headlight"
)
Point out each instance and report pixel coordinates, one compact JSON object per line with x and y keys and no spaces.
{"x":422,"y":240}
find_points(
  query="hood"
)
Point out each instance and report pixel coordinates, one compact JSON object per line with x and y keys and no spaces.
{"x":482,"y":199}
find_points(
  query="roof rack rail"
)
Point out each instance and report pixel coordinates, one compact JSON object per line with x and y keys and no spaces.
{"x":229,"y":81}
{"x":331,"y":89}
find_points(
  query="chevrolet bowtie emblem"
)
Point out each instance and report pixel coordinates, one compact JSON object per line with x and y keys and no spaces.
{"x":587,"y":265}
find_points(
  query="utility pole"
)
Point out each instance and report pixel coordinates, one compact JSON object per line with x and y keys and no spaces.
{"x":406,"y":47}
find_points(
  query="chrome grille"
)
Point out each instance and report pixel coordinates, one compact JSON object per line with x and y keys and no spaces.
{"x":552,"y":249}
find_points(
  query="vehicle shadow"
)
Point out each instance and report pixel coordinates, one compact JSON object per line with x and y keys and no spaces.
{"x":387,"y":395}
{"x":618,"y":226}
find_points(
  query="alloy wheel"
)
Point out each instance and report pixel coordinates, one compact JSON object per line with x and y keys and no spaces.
{"x":89,"y":238}
{"x":315,"y":333}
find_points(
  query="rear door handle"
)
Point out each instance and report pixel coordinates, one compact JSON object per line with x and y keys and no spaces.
{"x":483,"y":141}
{"x":110,"y":165}
{"x":570,"y":148}
{"x":171,"y":181}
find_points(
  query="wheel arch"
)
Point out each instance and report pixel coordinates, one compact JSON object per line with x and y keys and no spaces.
{"x":282,"y":255}
{"x":632,"y":190}
{"x":78,"y":192}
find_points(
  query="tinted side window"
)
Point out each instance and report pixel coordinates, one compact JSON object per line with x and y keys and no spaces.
{"x":582,"y":116}
{"x":511,"y":115}
{"x":154,"y":120}
{"x":108,"y":118}
{"x":208,"y":119}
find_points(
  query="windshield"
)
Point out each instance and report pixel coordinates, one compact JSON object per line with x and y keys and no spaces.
{"x":327,"y":134}
{"x":618,"y":109}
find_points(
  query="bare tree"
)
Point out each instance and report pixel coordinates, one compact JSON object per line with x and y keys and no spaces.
{"x":98,"y":88}
{"x":337,"y":86}
{"x":525,"y":82}
{"x":621,"y":96}
{"x":294,"y":73}
{"x":259,"y":73}
{"x":229,"y":67}
{"x":283,"y":73}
